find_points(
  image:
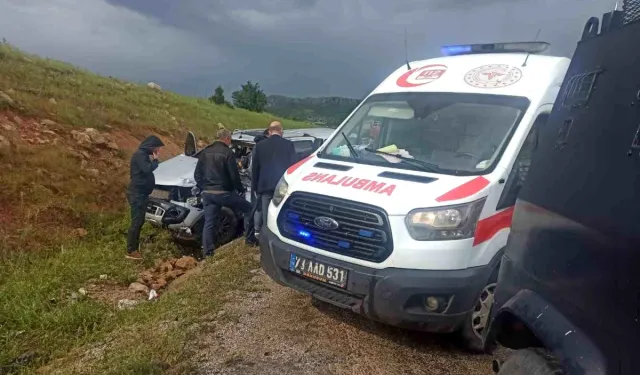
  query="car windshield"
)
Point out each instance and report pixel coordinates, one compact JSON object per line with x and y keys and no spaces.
{"x":452,"y":133}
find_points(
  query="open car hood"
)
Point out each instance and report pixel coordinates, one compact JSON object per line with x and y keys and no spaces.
{"x":177,"y":171}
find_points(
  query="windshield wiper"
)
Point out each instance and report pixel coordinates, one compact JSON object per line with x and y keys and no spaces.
{"x":350,"y":147}
{"x":425,"y":166}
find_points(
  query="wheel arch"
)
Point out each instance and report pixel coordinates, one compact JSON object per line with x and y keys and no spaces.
{"x":529,"y":321}
{"x":510,"y":331}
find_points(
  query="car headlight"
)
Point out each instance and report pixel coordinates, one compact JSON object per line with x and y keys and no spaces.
{"x":445,"y":223}
{"x":193,"y":201}
{"x":280,"y":192}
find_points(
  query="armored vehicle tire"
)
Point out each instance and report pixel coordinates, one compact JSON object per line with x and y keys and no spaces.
{"x":533,"y":361}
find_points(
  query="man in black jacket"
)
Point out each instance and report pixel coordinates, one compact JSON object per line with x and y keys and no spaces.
{"x":257,"y":217}
{"x":143,"y":162}
{"x":218,"y":177}
{"x":272,"y":157}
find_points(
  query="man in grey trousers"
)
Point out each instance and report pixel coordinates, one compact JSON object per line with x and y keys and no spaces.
{"x":272,"y":157}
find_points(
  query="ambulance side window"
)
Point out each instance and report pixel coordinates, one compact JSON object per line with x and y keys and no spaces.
{"x":520,"y":167}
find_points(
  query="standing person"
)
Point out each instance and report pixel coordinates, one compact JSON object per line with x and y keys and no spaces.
{"x":143,"y":162}
{"x":257,"y":217}
{"x":272,"y":157}
{"x":218,"y":178}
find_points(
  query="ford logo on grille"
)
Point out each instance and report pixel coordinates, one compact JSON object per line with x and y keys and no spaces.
{"x":326,"y":223}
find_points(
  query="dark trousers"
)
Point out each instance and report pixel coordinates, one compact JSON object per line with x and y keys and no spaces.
{"x":213,"y":203}
{"x":257,"y":216}
{"x":265,"y":201}
{"x":138,"y":205}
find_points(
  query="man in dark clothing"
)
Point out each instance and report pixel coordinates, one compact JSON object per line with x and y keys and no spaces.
{"x":143,"y":162}
{"x":218,"y":178}
{"x":262,"y":137}
{"x":272,"y":157}
{"x":257,"y":217}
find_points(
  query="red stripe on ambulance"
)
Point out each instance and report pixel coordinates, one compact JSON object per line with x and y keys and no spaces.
{"x":297,"y":165}
{"x":489,"y":227}
{"x":352,"y":182}
{"x":465,"y":190}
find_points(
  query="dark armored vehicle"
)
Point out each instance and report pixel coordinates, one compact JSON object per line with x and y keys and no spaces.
{"x":568,"y":295}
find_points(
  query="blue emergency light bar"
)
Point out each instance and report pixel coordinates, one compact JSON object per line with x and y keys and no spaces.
{"x":516,"y":47}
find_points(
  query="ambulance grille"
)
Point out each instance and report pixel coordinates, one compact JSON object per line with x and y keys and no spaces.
{"x":363,"y":230}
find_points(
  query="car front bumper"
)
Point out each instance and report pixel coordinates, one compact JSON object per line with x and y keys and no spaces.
{"x":393,"y":296}
{"x":163,"y":213}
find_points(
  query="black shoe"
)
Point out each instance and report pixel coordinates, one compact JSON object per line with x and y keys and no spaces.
{"x":251,"y":242}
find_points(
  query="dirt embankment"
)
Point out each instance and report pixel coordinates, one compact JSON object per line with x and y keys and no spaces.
{"x":56,"y":177}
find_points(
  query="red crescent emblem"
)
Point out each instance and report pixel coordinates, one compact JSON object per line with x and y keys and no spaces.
{"x":422,"y":75}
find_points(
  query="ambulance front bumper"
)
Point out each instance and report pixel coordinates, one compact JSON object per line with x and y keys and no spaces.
{"x":393,"y":296}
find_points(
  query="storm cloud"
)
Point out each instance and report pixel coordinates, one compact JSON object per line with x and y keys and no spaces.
{"x":291,"y":47}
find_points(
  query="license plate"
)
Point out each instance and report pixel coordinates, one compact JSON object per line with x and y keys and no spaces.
{"x":318,"y":271}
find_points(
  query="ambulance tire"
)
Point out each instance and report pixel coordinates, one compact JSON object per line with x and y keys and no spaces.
{"x":532,"y":361}
{"x":472,"y":340}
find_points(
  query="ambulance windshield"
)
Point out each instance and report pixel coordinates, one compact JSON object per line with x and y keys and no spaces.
{"x":459,"y":133}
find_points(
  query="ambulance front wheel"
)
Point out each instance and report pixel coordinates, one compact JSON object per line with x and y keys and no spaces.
{"x":474,"y":326}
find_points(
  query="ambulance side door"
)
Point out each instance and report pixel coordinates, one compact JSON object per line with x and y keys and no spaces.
{"x":491,"y":236}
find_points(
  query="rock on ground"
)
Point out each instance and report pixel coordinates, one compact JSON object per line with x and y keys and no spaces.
{"x":159,"y":284}
{"x":4,"y":98}
{"x":80,"y":232}
{"x":5,"y":145}
{"x":139,"y":288}
{"x":124,"y":304}
{"x":47,"y":122}
{"x":186,"y":263}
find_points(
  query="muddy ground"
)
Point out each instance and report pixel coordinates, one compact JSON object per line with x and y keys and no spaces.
{"x":275,"y":330}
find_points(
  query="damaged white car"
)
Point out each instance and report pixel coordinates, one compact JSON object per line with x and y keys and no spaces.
{"x":175,"y":203}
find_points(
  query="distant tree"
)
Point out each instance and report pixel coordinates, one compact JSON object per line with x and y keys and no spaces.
{"x":218,"y":96}
{"x":250,"y":97}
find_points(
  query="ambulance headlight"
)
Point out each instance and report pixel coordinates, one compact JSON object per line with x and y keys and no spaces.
{"x":280,"y":192}
{"x":444,"y":223}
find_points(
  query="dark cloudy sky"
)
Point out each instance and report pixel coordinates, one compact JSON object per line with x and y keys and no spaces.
{"x":291,"y":47}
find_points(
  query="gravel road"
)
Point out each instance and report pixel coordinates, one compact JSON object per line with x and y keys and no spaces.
{"x":275,"y":330}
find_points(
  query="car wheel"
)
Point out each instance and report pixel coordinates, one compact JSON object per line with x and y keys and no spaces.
{"x":226,"y":227}
{"x":532,"y":361}
{"x":475,"y":324}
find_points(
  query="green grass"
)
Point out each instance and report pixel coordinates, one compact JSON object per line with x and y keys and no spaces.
{"x":85,"y":99}
{"x":39,"y":321}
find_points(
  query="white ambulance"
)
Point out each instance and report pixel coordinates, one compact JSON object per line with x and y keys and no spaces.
{"x":403,"y":214}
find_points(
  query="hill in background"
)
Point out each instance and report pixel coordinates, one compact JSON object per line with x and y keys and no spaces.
{"x":327,"y":111}
{"x":60,"y":92}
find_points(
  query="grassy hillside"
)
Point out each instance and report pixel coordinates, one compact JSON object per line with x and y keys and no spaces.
{"x":329,"y":111}
{"x":84,"y":99}
{"x":63,"y":219}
